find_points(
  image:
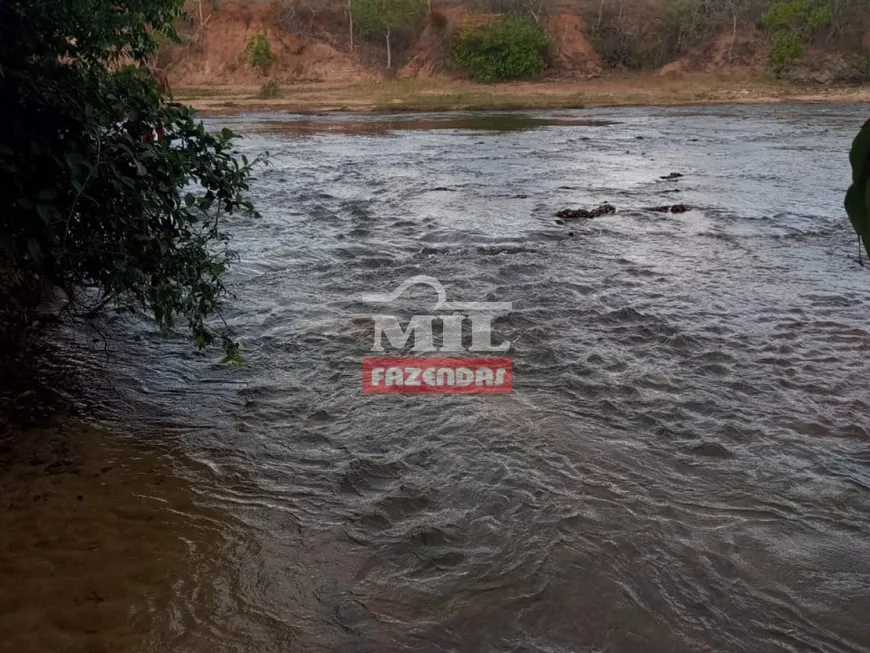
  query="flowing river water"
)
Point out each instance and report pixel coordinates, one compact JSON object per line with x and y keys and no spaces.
{"x":684,"y":463}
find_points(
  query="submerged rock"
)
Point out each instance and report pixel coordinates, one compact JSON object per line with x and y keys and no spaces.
{"x":671,"y":208}
{"x":598,"y":211}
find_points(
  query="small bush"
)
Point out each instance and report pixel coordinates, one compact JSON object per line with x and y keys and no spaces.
{"x":258,"y":53}
{"x":509,"y":48}
{"x":269,"y":91}
{"x":860,"y":64}
{"x":620,"y":48}
{"x":792,"y":23}
{"x":785,"y":47}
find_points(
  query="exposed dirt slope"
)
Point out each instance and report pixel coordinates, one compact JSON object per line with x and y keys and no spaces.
{"x":318,"y":50}
{"x":215,"y":58}
{"x":310,"y":42}
{"x":742,"y":51}
{"x":574,"y":54}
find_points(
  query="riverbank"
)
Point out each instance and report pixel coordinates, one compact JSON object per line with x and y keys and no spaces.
{"x":452,"y":95}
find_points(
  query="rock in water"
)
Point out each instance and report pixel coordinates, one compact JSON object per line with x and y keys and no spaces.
{"x":671,"y":208}
{"x":597,"y":212}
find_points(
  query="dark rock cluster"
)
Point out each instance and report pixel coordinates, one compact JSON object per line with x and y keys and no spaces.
{"x":597,"y":212}
{"x":671,"y":208}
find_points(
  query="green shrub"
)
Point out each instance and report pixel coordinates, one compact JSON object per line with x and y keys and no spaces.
{"x":800,"y":16}
{"x":508,"y":48}
{"x":258,"y":53}
{"x":860,"y":64}
{"x":792,"y":23}
{"x":785,"y":47}
{"x":269,"y":90}
{"x":110,"y":192}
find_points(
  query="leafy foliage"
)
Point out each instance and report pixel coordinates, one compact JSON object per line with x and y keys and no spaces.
{"x":800,"y":16}
{"x":785,"y":47}
{"x":858,"y":196}
{"x":269,"y":90}
{"x":792,"y":23}
{"x":258,"y":53}
{"x":684,"y":23}
{"x":110,"y":191}
{"x":383,"y":15}
{"x":509,"y":48}
{"x":860,"y":63}
{"x":386,"y":16}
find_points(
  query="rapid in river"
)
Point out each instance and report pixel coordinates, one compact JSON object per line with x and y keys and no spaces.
{"x":683,"y":464}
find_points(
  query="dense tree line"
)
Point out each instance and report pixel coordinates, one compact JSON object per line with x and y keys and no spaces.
{"x":791,"y":26}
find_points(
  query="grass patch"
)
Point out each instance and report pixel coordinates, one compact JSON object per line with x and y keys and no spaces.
{"x":446,"y":95}
{"x":270,"y":91}
{"x":195,"y":93}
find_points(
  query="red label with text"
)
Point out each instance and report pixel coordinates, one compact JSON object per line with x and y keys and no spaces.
{"x":422,"y":375}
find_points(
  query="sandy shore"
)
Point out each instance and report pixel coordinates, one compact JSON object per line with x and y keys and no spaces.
{"x":102,"y":543}
{"x":445,"y":95}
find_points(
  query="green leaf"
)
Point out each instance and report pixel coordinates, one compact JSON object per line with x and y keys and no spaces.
{"x":856,"y":208}
{"x":34,"y":250}
{"x":859,"y":155}
{"x":232,"y":352}
{"x":45,"y":212}
{"x":75,"y":109}
{"x":865,"y":235}
{"x":7,"y":244}
{"x":73,"y":161}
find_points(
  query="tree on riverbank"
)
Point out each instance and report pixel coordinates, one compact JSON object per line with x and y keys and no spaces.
{"x":111,"y":193}
{"x":386,"y":17}
{"x":792,"y":22}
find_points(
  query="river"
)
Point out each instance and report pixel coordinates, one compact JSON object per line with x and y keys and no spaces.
{"x":684,"y":462}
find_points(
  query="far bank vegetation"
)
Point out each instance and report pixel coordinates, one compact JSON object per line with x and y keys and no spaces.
{"x":496,"y":40}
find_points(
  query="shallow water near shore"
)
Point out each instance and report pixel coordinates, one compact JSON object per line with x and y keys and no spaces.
{"x":488,"y":122}
{"x":684,"y":464}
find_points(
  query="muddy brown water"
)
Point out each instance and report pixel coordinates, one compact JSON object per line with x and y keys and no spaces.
{"x":684,"y":464}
